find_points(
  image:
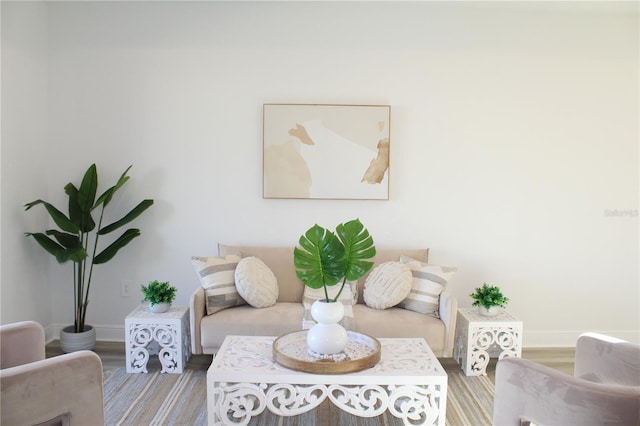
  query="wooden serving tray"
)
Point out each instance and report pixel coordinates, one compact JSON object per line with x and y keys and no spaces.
{"x":291,"y":351}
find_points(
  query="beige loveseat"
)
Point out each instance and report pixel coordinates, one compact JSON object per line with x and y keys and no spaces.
{"x":208,"y":331}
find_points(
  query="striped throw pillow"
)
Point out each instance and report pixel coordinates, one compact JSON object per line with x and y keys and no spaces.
{"x":428,"y":282}
{"x":217,"y":277}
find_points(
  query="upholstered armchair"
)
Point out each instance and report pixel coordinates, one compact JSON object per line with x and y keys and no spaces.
{"x":604,"y":390}
{"x":63,"y":390}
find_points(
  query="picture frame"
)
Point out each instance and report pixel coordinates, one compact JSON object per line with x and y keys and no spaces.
{"x":326,"y":151}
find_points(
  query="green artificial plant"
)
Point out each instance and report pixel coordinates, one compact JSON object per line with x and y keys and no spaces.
{"x":77,"y":238}
{"x":488,"y":296}
{"x":158,"y":292}
{"x":325,"y":258}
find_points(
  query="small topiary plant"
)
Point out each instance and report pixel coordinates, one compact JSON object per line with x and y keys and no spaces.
{"x":157,"y":292}
{"x":489,"y":296}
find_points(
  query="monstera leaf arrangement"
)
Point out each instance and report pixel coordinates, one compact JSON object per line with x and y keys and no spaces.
{"x":325,"y":258}
{"x":77,"y":238}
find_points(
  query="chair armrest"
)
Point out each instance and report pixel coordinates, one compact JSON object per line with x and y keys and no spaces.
{"x":448,"y":314}
{"x":22,"y":343}
{"x":197,"y":311}
{"x":529,"y":392}
{"x":67,"y":386}
{"x":605,"y":359}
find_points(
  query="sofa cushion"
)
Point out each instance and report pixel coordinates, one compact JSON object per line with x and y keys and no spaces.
{"x":387,"y":285}
{"x":396,"y":322}
{"x":244,"y":320}
{"x":279,"y":260}
{"x":217,"y":277}
{"x":428,"y":282}
{"x":256,"y":283}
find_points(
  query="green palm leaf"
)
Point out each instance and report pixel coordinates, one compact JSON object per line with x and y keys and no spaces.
{"x":62,"y":254}
{"x":319,"y":260}
{"x":66,"y":240}
{"x":358,"y":245}
{"x":88,"y":189}
{"x":108,"y":194}
{"x":80,"y":217}
{"x":46,"y":243}
{"x":134,"y":213}
{"x":58,"y":217}
{"x":108,"y":253}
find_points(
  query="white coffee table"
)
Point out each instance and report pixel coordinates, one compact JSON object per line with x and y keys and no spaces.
{"x":243,"y":381}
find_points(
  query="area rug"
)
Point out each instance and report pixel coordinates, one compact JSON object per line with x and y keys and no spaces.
{"x":181,"y":399}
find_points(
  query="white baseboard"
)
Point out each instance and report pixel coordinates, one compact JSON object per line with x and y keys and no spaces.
{"x":104,"y":333}
{"x":531,"y":338}
{"x":568,"y":338}
{"x":49,"y":334}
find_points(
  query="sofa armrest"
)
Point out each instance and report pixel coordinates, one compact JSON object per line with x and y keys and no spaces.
{"x":448,"y":314}
{"x":22,"y":343}
{"x":67,"y":388}
{"x":197,"y":311}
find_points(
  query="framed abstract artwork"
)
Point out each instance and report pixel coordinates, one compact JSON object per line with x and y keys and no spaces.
{"x":326,"y":151}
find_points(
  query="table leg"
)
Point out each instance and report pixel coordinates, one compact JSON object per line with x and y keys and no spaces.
{"x":169,"y":353}
{"x":510,"y":342}
{"x":137,"y":355}
{"x":234,"y":403}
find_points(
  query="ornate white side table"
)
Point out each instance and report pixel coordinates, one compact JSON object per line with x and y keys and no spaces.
{"x":243,"y":381}
{"x":479,"y":338}
{"x":165,"y":335}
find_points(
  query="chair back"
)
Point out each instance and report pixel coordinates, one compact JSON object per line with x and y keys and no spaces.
{"x":21,"y":343}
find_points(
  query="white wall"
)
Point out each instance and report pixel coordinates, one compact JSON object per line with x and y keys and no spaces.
{"x":26,"y":289}
{"x":514,"y":131}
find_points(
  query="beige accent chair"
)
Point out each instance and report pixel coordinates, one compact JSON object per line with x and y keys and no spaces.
{"x":64,"y":390}
{"x":604,"y":390}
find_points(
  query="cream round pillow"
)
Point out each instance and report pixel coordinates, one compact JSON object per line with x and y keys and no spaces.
{"x":387,"y":285}
{"x":256,"y":283}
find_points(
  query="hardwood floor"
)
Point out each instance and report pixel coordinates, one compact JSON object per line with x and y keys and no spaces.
{"x":561,"y":359}
{"x":113,"y":356}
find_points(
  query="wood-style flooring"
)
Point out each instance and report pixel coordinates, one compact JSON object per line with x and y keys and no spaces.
{"x":113,"y":356}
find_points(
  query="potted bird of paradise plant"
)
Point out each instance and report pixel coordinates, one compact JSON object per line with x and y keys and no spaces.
{"x":77,"y":240}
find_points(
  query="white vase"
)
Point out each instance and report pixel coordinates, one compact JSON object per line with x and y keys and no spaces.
{"x":327,"y":337}
{"x":489,"y":312}
{"x":72,"y":342}
{"x":159,"y":308}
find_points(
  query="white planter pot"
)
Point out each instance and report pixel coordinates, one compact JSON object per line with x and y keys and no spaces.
{"x":72,"y":342}
{"x":159,"y":308}
{"x":327,"y":337}
{"x":491,"y":312}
